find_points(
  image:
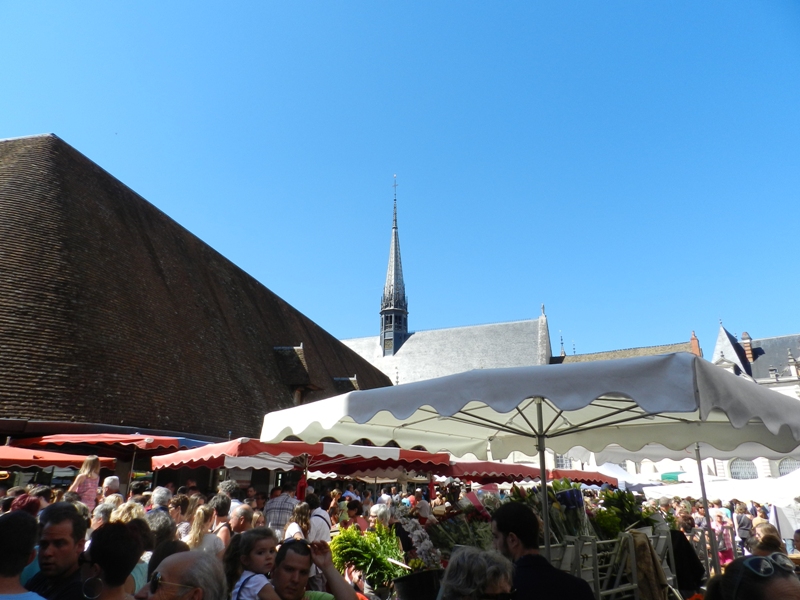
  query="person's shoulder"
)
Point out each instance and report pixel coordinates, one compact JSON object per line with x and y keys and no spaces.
{"x":25,"y":596}
{"x":318,"y":596}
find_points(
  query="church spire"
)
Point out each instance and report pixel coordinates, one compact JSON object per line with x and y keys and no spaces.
{"x":394,"y":304}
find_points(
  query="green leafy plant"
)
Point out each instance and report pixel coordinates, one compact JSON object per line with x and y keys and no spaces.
{"x":369,"y":553}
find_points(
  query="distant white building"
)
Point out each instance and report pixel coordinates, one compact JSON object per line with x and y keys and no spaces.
{"x":771,"y":362}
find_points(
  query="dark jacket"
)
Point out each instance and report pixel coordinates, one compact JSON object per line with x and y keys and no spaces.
{"x":535,"y":578}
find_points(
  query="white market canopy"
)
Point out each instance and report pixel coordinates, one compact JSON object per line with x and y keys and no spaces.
{"x":675,"y":400}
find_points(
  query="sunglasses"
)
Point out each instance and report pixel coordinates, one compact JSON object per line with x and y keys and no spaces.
{"x":764,"y":566}
{"x":157,"y":580}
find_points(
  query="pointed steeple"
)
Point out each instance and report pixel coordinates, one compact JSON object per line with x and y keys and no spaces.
{"x":394,"y":304}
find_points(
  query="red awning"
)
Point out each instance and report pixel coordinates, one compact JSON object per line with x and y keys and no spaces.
{"x":26,"y":457}
{"x":587,"y":477}
{"x":322,"y":456}
{"x":132,"y":441}
{"x":487,"y":471}
{"x":497,"y":472}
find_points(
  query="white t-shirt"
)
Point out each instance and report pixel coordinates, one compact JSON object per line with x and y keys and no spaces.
{"x":292,"y":529}
{"x":320,"y":526}
{"x":248,"y":586}
{"x":211,"y":543}
{"x":424,"y":509}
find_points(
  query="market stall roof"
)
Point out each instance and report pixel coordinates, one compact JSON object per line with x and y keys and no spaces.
{"x":244,"y":453}
{"x":24,"y":458}
{"x":587,"y":477}
{"x":673,"y":399}
{"x":487,"y":471}
{"x":116,"y":443}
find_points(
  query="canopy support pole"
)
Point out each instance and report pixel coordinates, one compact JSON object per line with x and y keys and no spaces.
{"x":712,"y":538}
{"x":130,"y":474}
{"x":540,"y":446}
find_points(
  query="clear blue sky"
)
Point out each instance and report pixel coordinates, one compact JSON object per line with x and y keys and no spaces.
{"x":633,"y":165}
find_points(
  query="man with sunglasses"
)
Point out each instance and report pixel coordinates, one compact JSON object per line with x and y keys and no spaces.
{"x":194,"y":575}
{"x":756,"y":578}
{"x":515,"y":533}
{"x":292,"y":568}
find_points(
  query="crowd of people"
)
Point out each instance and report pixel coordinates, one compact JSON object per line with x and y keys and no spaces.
{"x":91,"y":542}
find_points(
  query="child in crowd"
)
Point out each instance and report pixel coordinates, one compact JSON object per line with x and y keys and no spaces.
{"x":248,"y":561}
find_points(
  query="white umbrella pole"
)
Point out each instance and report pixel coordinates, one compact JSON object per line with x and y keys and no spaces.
{"x":709,"y":531}
{"x":540,"y":443}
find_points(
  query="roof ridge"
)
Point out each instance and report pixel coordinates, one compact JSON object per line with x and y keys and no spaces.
{"x":775,"y":337}
{"x":30,"y":137}
{"x":631,"y":348}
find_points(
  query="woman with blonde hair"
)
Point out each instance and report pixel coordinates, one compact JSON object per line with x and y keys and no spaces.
{"x":299,"y":523}
{"x":259,"y":520}
{"x":199,"y":537}
{"x":85,"y":484}
{"x":196,"y":500}
{"x":115,"y":500}
{"x":127,"y":512}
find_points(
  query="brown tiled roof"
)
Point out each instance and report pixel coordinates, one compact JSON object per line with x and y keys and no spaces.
{"x":111,"y":312}
{"x":626,"y":353}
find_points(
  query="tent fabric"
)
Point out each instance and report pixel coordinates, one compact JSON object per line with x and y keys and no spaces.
{"x":673,"y":399}
{"x":141,"y":442}
{"x":11,"y":456}
{"x":247,"y":453}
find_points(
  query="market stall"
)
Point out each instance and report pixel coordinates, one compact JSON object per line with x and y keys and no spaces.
{"x":677,"y":400}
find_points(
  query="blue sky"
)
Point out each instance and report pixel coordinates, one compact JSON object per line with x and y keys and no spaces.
{"x":634,"y":166}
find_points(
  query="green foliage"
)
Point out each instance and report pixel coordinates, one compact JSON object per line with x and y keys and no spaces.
{"x":623,"y":505}
{"x":369,"y":553}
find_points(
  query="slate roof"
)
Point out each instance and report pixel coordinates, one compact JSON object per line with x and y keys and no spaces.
{"x":728,"y":348}
{"x":112,"y":313}
{"x":773,"y":352}
{"x":625,"y":353}
{"x":440,"y":352}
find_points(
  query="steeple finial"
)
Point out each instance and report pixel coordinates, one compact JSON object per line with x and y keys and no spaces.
{"x":394,"y":219}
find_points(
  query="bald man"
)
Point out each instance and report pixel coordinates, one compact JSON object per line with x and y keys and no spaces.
{"x":194,"y":575}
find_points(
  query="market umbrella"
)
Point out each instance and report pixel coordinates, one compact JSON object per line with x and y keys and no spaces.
{"x":246,"y":453}
{"x":674,"y":399}
{"x":25,"y":458}
{"x":115,"y":442}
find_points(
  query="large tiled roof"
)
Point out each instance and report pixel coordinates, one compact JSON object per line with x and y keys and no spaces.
{"x":625,"y":353}
{"x":774,"y":352}
{"x":112,"y":313}
{"x":440,"y":352}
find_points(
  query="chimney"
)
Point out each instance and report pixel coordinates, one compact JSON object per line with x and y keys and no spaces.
{"x":696,"y":346}
{"x":747,"y":347}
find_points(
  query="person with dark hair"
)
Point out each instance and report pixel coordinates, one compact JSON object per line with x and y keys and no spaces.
{"x":354,"y":516}
{"x":292,"y":568}
{"x":44,"y":494}
{"x":756,"y":578}
{"x":221,"y":503}
{"x":278,"y":510}
{"x":114,"y":552}
{"x":61,"y":542}
{"x":515,"y":532}
{"x":162,"y":551}
{"x":18,"y":532}
{"x":137,"y":488}
{"x":179,"y":512}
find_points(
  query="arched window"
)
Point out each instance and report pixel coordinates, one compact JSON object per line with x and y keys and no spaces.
{"x":787,"y":465}
{"x":743,"y":469}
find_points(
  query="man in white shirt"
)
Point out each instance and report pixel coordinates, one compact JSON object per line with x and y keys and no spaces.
{"x":423,"y":508}
{"x":319,"y":530}
{"x":385,"y":497}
